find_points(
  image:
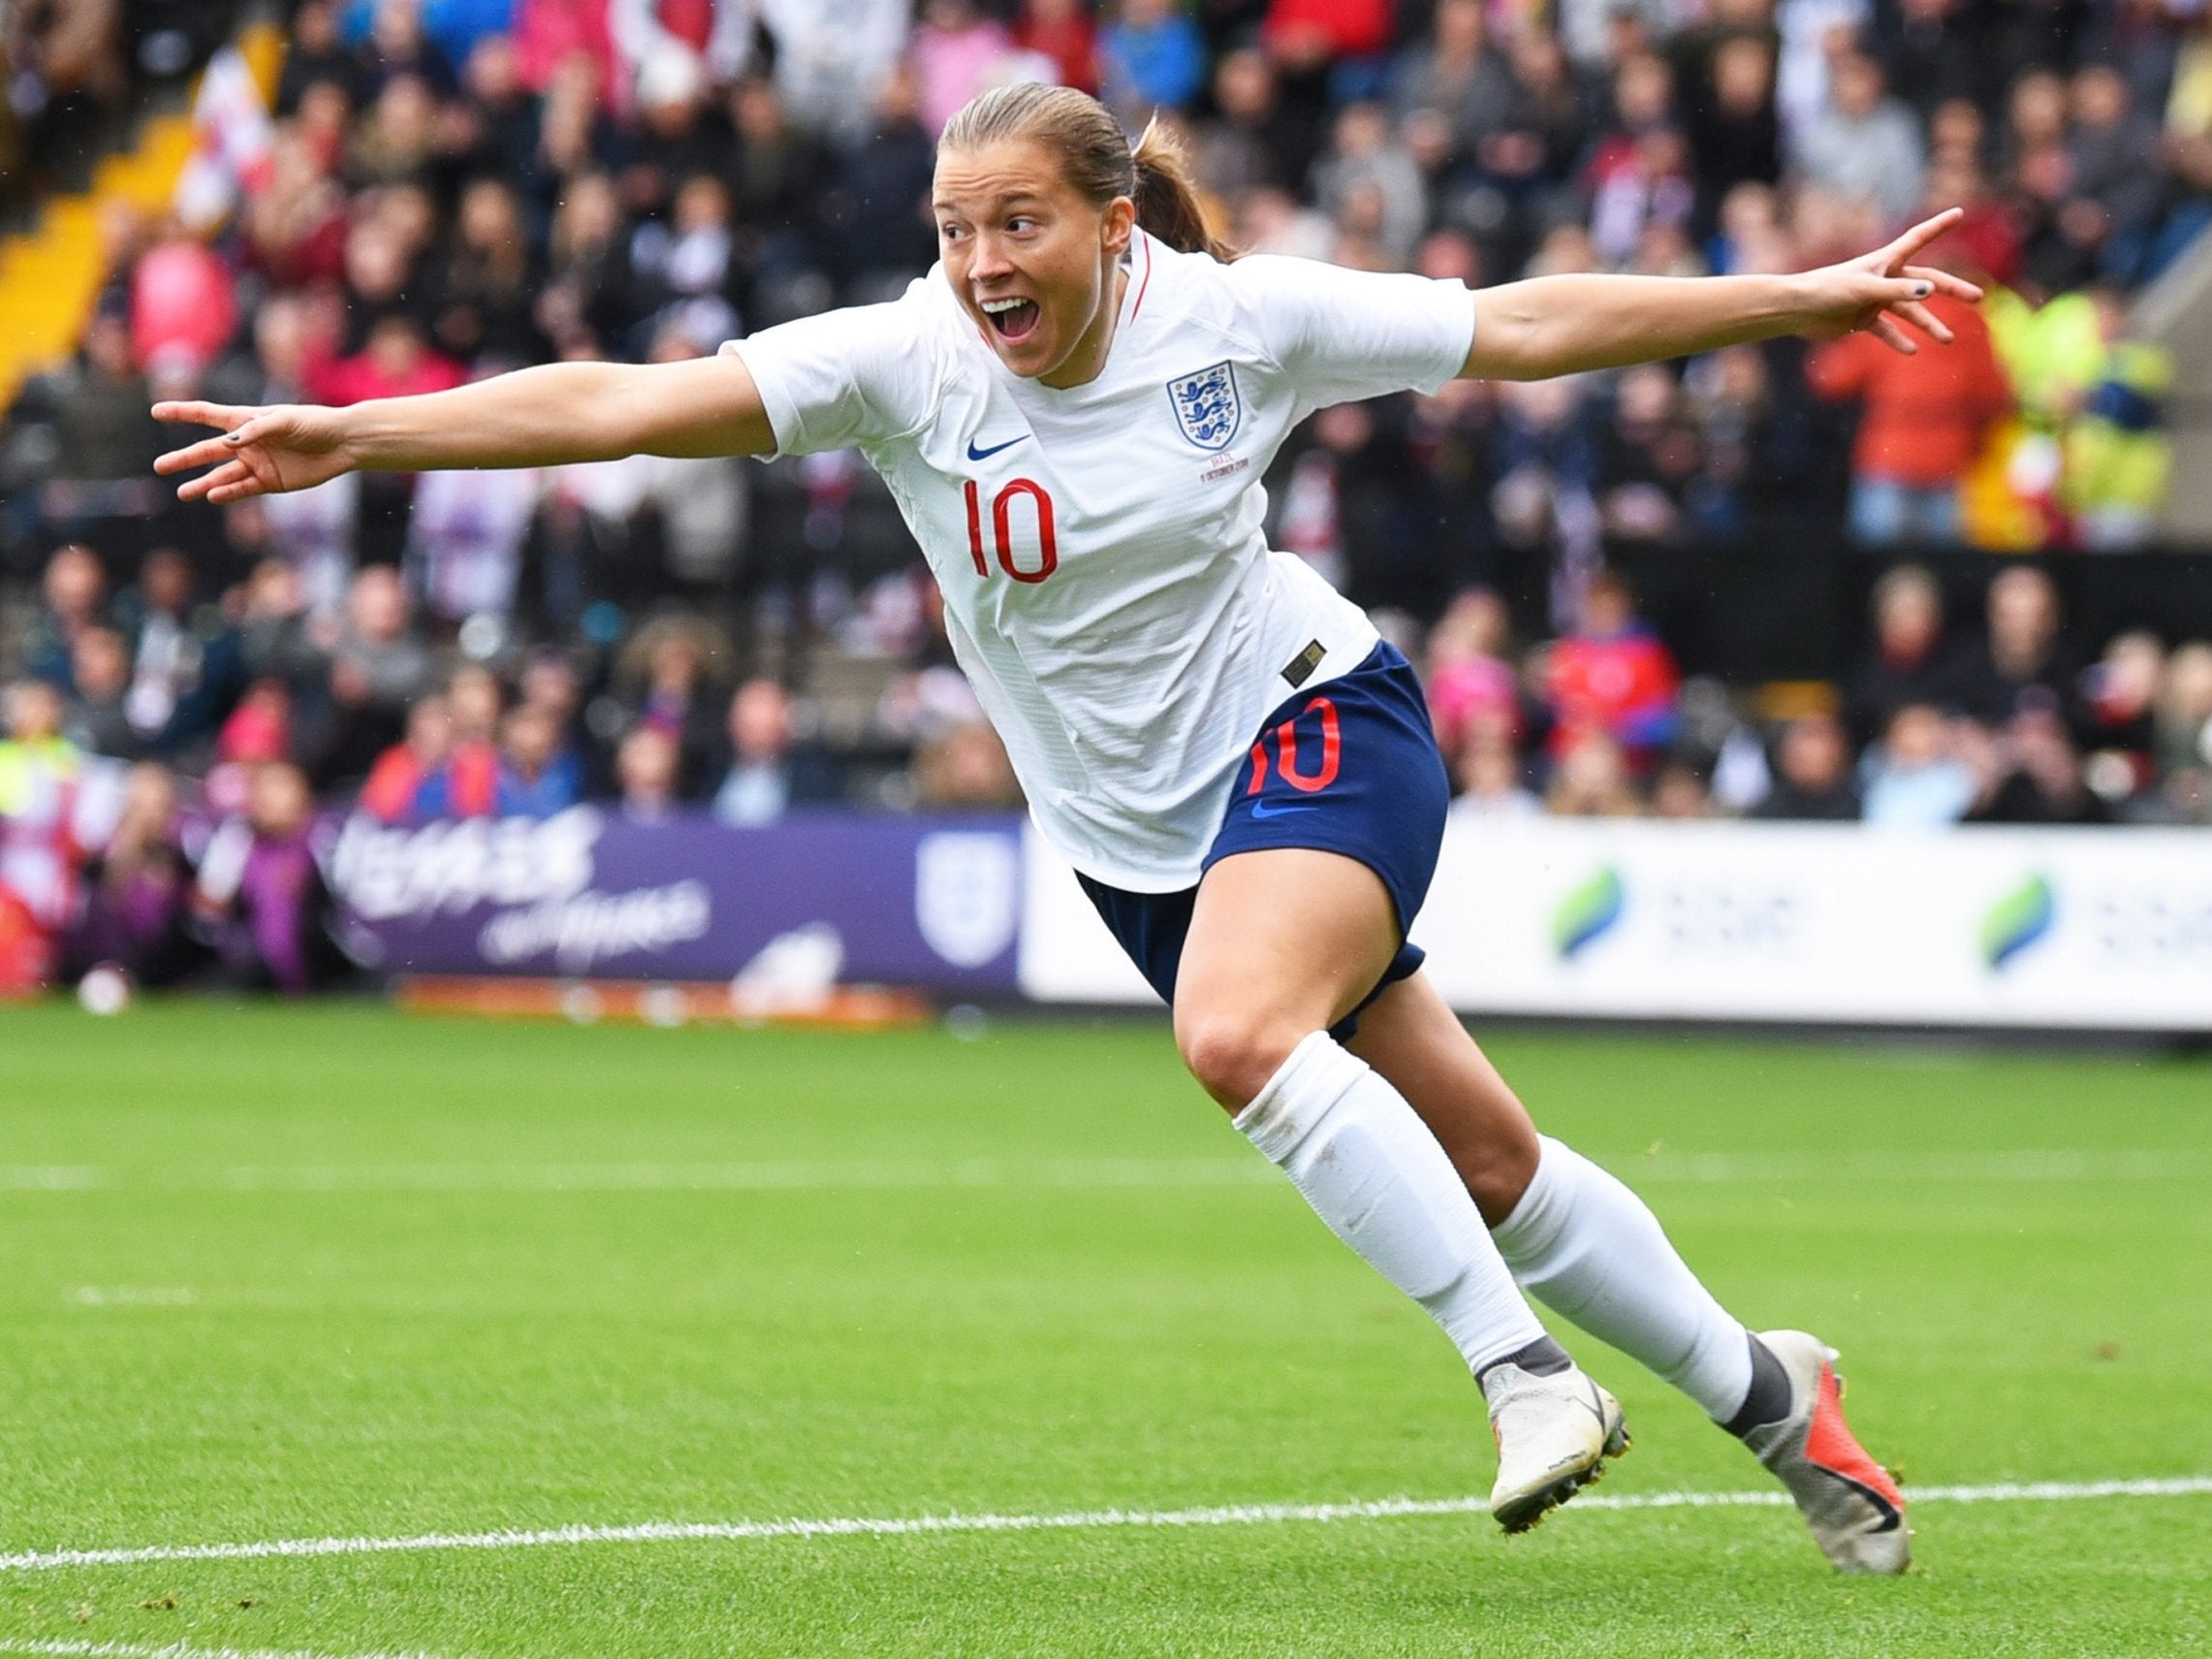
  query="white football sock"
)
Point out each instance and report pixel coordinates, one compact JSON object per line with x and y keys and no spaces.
{"x":1371,"y":1170}
{"x":1589,"y":1249}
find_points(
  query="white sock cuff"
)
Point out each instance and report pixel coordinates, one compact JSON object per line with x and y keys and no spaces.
{"x":1320,"y":1073}
{"x":1529,"y":1230}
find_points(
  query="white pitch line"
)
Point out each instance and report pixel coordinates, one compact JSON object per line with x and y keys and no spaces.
{"x":800,"y":1176}
{"x":176,"y":1650}
{"x":1959,"y":1168}
{"x":735,"y":1177}
{"x":901,"y":1526}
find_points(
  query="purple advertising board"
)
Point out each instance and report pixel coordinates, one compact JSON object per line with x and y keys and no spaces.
{"x":932,"y":903}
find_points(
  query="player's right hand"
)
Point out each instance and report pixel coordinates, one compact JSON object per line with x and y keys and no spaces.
{"x":262,"y":452}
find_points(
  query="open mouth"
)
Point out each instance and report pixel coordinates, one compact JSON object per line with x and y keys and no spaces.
{"x":1014,"y":319}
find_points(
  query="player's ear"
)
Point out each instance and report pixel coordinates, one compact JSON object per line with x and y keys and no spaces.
{"x":1118,"y":226}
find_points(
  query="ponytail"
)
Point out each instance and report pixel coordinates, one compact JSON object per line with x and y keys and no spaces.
{"x":1095,"y":154}
{"x":1168,"y":203}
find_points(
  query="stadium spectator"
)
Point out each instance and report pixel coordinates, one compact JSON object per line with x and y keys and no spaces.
{"x":557,"y":39}
{"x":1458,"y":75}
{"x":1487,"y":769}
{"x":135,"y":889}
{"x":487,"y":281}
{"x":257,"y":733}
{"x":878,"y":232}
{"x":1906,"y":662}
{"x":394,"y":786}
{"x":1680,"y":791}
{"x":277,"y":635}
{"x":2119,"y":695}
{"x":183,"y":305}
{"x":1913,"y":778}
{"x":1614,"y":676}
{"x":671,"y":658}
{"x":260,"y":895}
{"x":1061,"y":31}
{"x":956,"y":51}
{"x":1150,"y":57}
{"x":1638,"y":174}
{"x":538,"y":776}
{"x":99,"y":719}
{"x":378,"y":665}
{"x":186,"y":667}
{"x":1649,"y":457}
{"x":465,"y":785}
{"x":74,"y":590}
{"x":2024,"y":659}
{"x":397,"y":361}
{"x":1925,"y":419}
{"x":1813,"y":774}
{"x":41,"y":830}
{"x":2039,"y":774}
{"x":646,"y":772}
{"x":1364,"y":155}
{"x":1590,"y":778}
{"x":2116,"y":455}
{"x":1735,"y":136}
{"x":834,"y":58}
{"x":769,"y":771}
{"x":1865,"y":146}
{"x":464,"y":541}
{"x":1471,"y":681}
{"x":2184,"y":732}
{"x":1249,"y":143}
{"x":965,"y":769}
{"x":97,"y":409}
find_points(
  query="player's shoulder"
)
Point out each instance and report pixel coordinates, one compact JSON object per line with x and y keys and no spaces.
{"x":1197,"y":293}
{"x":1259,"y":295}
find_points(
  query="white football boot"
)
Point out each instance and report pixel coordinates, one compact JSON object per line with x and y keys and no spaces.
{"x":1849,"y":1501}
{"x":1554,"y":1434}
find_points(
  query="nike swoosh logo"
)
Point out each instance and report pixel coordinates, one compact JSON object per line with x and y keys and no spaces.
{"x":974,"y":454}
{"x":1261,"y":809}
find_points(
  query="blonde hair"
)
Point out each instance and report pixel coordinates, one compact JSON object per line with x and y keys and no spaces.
{"x":1096,"y":157}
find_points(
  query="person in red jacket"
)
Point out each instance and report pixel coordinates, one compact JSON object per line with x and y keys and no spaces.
{"x":1613,"y":676}
{"x":396,"y":363}
{"x":1926,"y":415}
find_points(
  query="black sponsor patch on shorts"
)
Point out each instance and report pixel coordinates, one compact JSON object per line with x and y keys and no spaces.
{"x":1300,"y":668}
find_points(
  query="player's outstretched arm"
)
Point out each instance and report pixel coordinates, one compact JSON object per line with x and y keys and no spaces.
{"x":547,"y":416}
{"x":1561,"y":325}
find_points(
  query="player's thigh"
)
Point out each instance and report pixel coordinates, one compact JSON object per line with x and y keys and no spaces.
{"x":1283,"y":941}
{"x":1410,"y":1035}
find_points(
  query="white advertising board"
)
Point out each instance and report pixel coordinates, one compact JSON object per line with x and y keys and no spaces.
{"x":2064,"y":929}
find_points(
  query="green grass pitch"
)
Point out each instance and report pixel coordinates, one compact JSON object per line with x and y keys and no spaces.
{"x":314,"y":1273}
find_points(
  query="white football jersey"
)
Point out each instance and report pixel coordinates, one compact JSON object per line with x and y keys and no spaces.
{"x":1107,"y":582}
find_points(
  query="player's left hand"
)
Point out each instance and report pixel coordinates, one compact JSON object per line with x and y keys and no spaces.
{"x":1882,"y":291}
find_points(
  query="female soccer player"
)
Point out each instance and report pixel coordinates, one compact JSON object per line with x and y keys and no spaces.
{"x":1074,"y":410}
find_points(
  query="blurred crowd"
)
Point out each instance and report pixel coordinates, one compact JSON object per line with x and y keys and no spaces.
{"x":1999,"y":718}
{"x":70,"y":72}
{"x":442,"y":189}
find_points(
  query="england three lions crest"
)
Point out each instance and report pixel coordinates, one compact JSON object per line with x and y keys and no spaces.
{"x":1207,"y":407}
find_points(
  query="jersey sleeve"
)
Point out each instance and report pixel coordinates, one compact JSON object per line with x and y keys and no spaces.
{"x":843,"y":379}
{"x":1345,"y":335}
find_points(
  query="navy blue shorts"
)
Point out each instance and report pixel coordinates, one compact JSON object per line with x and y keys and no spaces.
{"x":1350,"y":767}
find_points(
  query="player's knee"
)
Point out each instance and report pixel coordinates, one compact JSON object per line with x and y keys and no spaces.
{"x":1232,"y":1053}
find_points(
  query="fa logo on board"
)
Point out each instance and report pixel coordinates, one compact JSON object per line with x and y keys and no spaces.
{"x":1207,"y":407}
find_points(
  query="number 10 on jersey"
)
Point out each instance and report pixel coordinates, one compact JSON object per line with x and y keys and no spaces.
{"x":1045,"y":558}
